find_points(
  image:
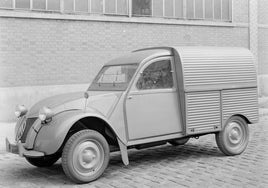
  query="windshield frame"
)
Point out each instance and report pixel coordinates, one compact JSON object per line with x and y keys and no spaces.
{"x":107,"y":86}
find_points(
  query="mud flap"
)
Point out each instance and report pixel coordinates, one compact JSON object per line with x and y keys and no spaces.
{"x":123,"y":150}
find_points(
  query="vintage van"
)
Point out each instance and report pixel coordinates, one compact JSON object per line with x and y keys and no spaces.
{"x":146,"y":98}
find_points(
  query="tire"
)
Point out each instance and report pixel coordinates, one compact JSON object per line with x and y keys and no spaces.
{"x":180,"y":141}
{"x":85,"y":156}
{"x":43,"y":161}
{"x":234,"y":137}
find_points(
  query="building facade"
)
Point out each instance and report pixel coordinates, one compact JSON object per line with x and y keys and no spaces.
{"x":49,"y":47}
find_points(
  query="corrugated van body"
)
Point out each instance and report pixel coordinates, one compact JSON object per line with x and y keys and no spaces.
{"x":218,"y":82}
{"x":207,"y":68}
{"x":240,"y":101}
{"x":203,"y":111}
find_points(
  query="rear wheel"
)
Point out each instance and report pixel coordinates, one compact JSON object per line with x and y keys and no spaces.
{"x":234,"y":137}
{"x":43,"y":161}
{"x":85,"y":156}
{"x":180,"y":141}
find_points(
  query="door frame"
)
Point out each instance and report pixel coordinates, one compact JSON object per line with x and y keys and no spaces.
{"x":132,"y":87}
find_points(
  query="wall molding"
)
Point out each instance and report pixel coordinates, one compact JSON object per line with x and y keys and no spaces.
{"x":263,"y":26}
{"x":121,"y":19}
{"x":29,"y":95}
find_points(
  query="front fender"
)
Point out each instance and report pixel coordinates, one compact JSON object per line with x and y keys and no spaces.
{"x":51,"y":135}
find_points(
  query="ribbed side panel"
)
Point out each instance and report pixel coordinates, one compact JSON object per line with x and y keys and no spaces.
{"x":240,"y":101}
{"x":202,"y":112}
{"x":218,"y":72}
{"x":218,"y":68}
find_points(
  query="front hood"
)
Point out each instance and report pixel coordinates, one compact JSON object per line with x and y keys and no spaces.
{"x":54,"y":101}
{"x":99,"y":101}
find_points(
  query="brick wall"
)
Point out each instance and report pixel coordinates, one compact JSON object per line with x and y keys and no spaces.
{"x":48,"y":52}
{"x":51,"y":54}
{"x":263,"y":50}
{"x":263,"y":36}
{"x":54,"y":51}
{"x":263,"y":13}
{"x":240,"y":10}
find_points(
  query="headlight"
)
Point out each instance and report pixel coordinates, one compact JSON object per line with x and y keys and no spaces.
{"x":45,"y":114}
{"x":20,"y":110}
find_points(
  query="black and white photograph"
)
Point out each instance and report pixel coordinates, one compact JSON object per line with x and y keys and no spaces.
{"x":134,"y":93}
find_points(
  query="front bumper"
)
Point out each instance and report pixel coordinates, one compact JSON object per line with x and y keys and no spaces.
{"x":18,"y":148}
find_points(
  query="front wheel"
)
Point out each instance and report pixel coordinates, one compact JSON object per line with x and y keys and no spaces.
{"x":234,"y":137}
{"x":85,"y":156}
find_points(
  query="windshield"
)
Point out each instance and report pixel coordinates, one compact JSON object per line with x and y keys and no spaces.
{"x":113,"y":77}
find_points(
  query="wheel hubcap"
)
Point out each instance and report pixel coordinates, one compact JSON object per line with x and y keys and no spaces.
{"x":88,"y":157}
{"x":236,"y":134}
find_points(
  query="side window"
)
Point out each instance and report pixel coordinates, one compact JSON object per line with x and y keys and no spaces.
{"x":157,"y":75}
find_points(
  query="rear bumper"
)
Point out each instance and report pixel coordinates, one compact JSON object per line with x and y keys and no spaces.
{"x":18,"y":148}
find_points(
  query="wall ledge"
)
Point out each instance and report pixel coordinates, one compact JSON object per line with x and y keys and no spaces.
{"x":263,"y":26}
{"x":29,"y":95}
{"x":5,"y":13}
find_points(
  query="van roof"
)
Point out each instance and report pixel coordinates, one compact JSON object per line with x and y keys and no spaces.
{"x":203,"y":67}
{"x":139,"y":56}
{"x":209,"y":68}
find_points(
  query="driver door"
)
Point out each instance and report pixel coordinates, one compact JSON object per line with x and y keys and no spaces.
{"x":152,"y":107}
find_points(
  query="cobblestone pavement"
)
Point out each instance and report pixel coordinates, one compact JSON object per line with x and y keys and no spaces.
{"x":197,"y":164}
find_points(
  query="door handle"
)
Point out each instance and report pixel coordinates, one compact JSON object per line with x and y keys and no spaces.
{"x":129,"y":97}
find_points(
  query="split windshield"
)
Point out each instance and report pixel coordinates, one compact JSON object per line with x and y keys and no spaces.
{"x":113,"y":77}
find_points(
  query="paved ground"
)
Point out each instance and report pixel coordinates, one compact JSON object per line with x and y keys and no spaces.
{"x":197,"y":164}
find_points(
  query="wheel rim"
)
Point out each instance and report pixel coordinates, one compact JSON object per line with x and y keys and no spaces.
{"x":88,"y":157}
{"x":236,"y":135}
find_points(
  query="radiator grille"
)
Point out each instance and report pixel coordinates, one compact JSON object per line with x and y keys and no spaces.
{"x":29,"y":123}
